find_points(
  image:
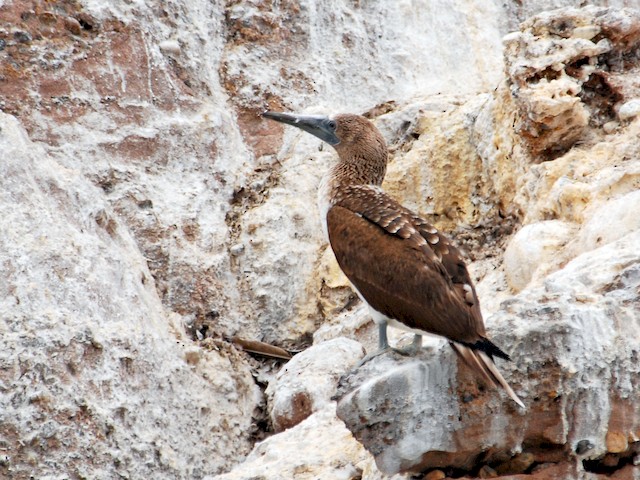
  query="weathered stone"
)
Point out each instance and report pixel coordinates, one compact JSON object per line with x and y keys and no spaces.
{"x":533,"y":247}
{"x":434,"y":475}
{"x":97,"y":379}
{"x":558,"y":72}
{"x":487,"y":472}
{"x":170,"y":46}
{"x":630,"y":109}
{"x":610,"y":220}
{"x":318,"y":447}
{"x":443,"y":158}
{"x":72,"y":25}
{"x":518,"y":464}
{"x":307,"y":382}
{"x":616,"y":442}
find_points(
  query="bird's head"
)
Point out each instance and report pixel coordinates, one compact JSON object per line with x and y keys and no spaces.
{"x":347,"y":133}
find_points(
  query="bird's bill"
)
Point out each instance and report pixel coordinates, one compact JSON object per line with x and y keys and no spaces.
{"x":317,"y":125}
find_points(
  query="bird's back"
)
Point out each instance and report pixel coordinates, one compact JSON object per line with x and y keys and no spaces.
{"x":402,"y":266}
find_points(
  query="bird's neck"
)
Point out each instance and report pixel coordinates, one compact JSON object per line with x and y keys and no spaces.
{"x":346,"y":173}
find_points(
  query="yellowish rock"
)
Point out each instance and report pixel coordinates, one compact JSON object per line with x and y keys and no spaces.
{"x":435,"y":475}
{"x":616,"y":442}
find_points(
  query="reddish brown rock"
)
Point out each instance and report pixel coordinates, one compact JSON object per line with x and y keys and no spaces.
{"x":554,"y":471}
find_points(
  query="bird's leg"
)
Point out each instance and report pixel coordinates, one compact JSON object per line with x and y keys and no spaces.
{"x":412,"y":349}
{"x":383,"y":341}
{"x":383,"y":344}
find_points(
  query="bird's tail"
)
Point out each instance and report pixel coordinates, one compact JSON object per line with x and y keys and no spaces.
{"x":482,"y":363}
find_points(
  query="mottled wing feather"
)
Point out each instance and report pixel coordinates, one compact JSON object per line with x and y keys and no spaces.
{"x":377,"y":242}
{"x":455,"y":266}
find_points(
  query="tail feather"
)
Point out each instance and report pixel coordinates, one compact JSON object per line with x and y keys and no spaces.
{"x":488,"y":347}
{"x":482,"y":363}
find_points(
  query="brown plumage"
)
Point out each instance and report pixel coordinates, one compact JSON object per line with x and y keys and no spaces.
{"x":409,"y":274}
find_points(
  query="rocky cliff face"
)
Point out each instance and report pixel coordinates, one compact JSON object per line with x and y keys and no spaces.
{"x":149,"y":216}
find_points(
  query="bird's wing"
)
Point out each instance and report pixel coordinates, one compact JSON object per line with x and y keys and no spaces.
{"x":403,"y":266}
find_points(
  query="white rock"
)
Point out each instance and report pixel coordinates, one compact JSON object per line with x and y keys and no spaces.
{"x":171,"y":147}
{"x":91,"y":361}
{"x":320,"y":447}
{"x":308,"y":381}
{"x":611,"y":126}
{"x":587,"y":32}
{"x":236,"y":249}
{"x":170,"y":46}
{"x":534,"y":246}
{"x":411,"y":412}
{"x":610,"y":221}
{"x":629,"y":109}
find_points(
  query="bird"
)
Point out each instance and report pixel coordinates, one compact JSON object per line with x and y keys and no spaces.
{"x":409,"y":274}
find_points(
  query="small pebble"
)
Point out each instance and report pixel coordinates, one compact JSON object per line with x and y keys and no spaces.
{"x":170,"y":46}
{"x":22,"y":37}
{"x":629,"y":109}
{"x":192,"y":356}
{"x":584,"y":446}
{"x":610,"y":127}
{"x":434,"y":475}
{"x":72,"y":25}
{"x":616,"y":442}
{"x":27,"y":15}
{"x":487,"y":472}
{"x":48,"y":18}
{"x":3,"y":44}
{"x":587,"y":32}
{"x":236,"y":249}
{"x":145,"y":204}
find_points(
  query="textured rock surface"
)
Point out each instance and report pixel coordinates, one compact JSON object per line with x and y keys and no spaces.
{"x":307,"y":382}
{"x":534,"y":247}
{"x":569,"y":69}
{"x":318,"y":447}
{"x":150,"y":198}
{"x":96,"y":379}
{"x":574,"y":326}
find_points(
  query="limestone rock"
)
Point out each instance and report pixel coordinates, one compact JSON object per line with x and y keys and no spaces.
{"x":569,"y":187}
{"x":442,"y":158}
{"x":399,"y":410}
{"x":630,"y":109}
{"x":154,"y":201}
{"x":564,"y":74}
{"x":308,"y":381}
{"x":263,"y":39}
{"x":141,"y":125}
{"x":318,"y":447}
{"x":533,"y":247}
{"x":610,"y":221}
{"x":96,"y":379}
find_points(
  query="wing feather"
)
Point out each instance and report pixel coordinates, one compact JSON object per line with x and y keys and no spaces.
{"x":402,"y":265}
{"x":409,"y":271}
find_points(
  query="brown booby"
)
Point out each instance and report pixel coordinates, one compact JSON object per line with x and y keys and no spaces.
{"x":409,"y":274}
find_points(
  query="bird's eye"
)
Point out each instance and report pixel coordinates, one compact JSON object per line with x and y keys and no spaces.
{"x":332,"y":124}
